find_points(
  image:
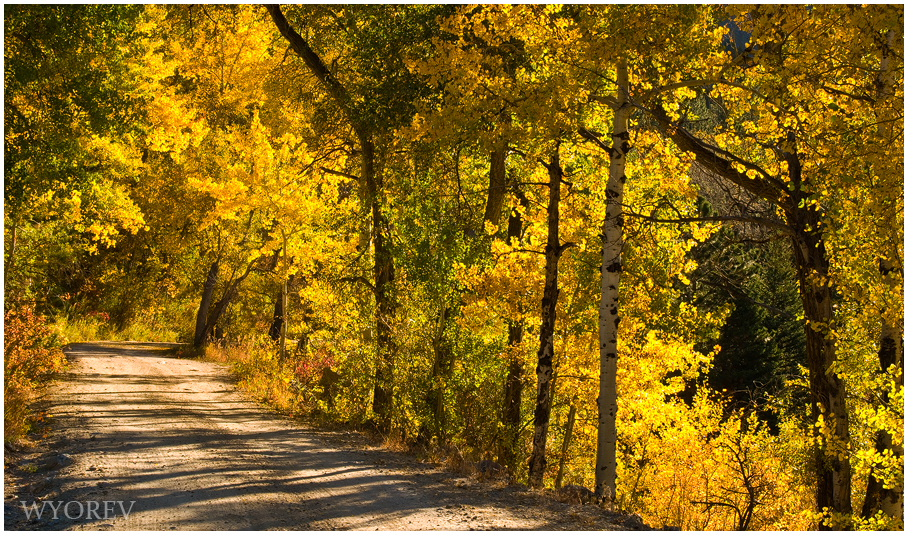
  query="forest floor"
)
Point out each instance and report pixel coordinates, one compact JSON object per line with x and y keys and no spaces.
{"x":132,"y":424}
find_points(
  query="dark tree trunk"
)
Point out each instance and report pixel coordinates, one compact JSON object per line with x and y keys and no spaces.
{"x":497,"y":186}
{"x":513,"y":384}
{"x":370,"y":180}
{"x":827,"y":389}
{"x":547,"y":329}
{"x":201,"y":319}
{"x":221,"y":306}
{"x":383,"y":273}
{"x":277,"y":321}
{"x":441,"y":371}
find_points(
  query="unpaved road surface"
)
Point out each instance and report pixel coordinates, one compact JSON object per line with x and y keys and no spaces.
{"x":132,"y":424}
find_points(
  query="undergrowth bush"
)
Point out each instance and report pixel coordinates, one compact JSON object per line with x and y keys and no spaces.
{"x":291,"y":388}
{"x":31,"y":356}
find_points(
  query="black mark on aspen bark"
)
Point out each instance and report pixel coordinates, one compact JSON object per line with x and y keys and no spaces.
{"x":614,"y":267}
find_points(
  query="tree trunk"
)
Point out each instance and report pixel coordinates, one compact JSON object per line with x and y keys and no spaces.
{"x":285,"y":291}
{"x":547,"y":329}
{"x":827,"y":389}
{"x":221,"y":306}
{"x":497,"y":185}
{"x":568,"y":431}
{"x":383,"y":267}
{"x":201,"y":319}
{"x":277,"y":321}
{"x":513,"y":384}
{"x":441,"y":370}
{"x":827,"y":392}
{"x":612,"y":244}
{"x":383,"y":273}
{"x":891,"y":353}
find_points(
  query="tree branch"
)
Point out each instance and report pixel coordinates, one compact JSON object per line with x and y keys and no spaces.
{"x":339,"y":173}
{"x":721,"y":163}
{"x":315,"y":64}
{"x":359,"y":279}
{"x":757,"y":220}
{"x":592,"y":136}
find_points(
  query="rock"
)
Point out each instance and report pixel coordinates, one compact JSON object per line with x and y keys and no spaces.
{"x":575,"y":494}
{"x":671,"y":528}
{"x":58,"y":461}
{"x":634,"y":521}
{"x":489,"y":468}
{"x":36,"y":487}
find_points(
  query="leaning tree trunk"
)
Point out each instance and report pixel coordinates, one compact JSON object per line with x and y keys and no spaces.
{"x":201,"y":319}
{"x":546,"y":351}
{"x":221,"y":306}
{"x":566,"y":444}
{"x":827,"y":392}
{"x":612,"y":244}
{"x":370,"y":180}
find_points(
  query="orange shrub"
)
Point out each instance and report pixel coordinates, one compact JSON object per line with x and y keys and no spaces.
{"x":31,"y":355}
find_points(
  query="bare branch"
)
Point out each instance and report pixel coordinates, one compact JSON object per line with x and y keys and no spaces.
{"x":757,"y":220}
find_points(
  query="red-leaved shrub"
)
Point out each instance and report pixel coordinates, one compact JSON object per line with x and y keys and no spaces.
{"x":31,"y":356}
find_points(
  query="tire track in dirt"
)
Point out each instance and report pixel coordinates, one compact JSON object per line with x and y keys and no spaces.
{"x":175,"y":437}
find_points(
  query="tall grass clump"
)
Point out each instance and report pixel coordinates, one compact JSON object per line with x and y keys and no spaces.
{"x":96,"y":326}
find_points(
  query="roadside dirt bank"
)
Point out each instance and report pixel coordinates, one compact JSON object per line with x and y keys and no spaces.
{"x":132,"y":424}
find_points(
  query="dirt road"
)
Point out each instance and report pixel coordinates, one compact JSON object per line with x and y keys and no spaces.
{"x":175,"y":437}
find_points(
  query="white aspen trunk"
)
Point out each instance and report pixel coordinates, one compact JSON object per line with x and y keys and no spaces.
{"x":878,"y":498}
{"x":612,"y":243}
